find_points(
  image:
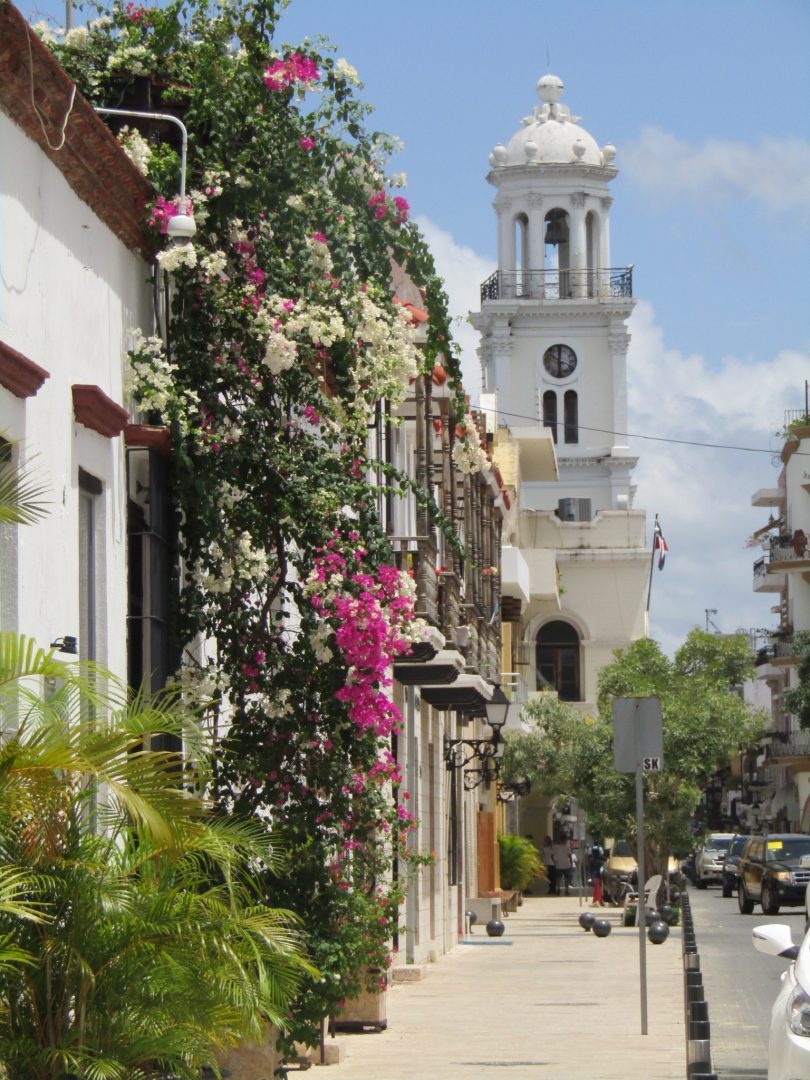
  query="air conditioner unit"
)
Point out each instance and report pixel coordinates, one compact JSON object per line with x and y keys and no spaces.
{"x":567,"y":509}
{"x":574,"y":509}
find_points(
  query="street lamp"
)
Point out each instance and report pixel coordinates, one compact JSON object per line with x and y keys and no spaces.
{"x":461,"y":753}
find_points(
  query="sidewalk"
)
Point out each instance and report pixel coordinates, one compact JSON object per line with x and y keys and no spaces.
{"x":545,"y":1001}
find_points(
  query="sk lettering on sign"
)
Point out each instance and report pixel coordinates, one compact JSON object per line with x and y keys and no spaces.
{"x":652,"y":764}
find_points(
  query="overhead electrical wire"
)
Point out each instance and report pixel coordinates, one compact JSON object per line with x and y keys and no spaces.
{"x":648,"y":438}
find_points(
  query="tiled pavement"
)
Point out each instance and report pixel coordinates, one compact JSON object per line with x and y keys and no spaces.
{"x":545,"y":1002}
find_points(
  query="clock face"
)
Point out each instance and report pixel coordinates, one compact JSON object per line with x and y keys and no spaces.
{"x":560,"y":361}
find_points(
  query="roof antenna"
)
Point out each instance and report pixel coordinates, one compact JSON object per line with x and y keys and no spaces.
{"x":548,"y":59}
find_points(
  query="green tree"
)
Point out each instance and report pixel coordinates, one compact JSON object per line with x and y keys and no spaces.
{"x":706,"y":723}
{"x":134,"y":936}
{"x":797,"y":699}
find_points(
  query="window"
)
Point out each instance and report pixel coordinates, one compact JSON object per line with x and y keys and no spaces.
{"x":550,"y":412}
{"x":152,"y":657}
{"x":558,"y":660}
{"x":571,"y":416}
{"x":90,"y":489}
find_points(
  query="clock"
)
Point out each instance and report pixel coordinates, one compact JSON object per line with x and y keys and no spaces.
{"x":560,"y":361}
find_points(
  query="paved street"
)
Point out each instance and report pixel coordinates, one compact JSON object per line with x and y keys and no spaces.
{"x":740,"y":983}
{"x":547,"y":1001}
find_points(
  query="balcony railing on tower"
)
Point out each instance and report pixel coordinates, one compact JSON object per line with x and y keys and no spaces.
{"x":558,"y":284}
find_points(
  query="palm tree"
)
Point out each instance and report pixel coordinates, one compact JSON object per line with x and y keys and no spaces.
{"x":134,"y":937}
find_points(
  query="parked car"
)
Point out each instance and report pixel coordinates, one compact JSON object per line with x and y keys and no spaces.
{"x":771,"y":872}
{"x":709,"y":859}
{"x":730,"y":864}
{"x":789,"y":1039}
{"x":621,"y":871}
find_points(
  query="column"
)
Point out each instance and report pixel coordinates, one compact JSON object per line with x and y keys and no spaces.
{"x":618,"y":352}
{"x":578,"y":245}
{"x":604,"y":289}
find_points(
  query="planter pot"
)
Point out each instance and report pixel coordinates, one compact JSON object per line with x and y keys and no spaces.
{"x":629,"y":915}
{"x":253,"y":1060}
{"x":366,"y":1011}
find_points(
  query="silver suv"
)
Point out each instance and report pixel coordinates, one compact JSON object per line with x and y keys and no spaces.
{"x":709,"y":859}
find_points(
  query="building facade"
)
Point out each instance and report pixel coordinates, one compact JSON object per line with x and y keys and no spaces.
{"x":782,"y":780}
{"x":553,"y":349}
{"x":74,"y":274}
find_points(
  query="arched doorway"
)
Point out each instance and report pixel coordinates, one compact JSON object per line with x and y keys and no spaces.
{"x":557,"y":660}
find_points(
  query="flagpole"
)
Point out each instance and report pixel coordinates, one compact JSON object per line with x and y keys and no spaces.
{"x":652,"y":563}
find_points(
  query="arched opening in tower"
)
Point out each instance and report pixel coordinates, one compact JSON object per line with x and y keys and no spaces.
{"x":557,"y":255}
{"x":558,"y":660}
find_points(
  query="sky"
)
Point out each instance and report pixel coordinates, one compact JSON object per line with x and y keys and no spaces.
{"x":707,"y":104}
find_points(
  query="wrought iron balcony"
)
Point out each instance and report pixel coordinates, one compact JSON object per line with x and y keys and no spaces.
{"x":558,"y":284}
{"x":789,"y":747}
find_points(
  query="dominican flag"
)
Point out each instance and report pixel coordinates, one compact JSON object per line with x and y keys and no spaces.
{"x":660,"y":545}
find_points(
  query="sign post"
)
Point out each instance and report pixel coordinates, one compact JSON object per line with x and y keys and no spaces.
{"x":638,"y":747}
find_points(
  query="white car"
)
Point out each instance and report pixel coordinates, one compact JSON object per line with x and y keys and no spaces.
{"x":709,"y":859}
{"x":789,"y":1041}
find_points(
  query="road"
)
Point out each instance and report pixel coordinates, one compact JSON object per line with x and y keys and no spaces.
{"x":740,"y":983}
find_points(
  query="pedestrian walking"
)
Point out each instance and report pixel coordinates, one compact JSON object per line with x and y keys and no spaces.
{"x":596,"y":865}
{"x":563,"y":864}
{"x":551,"y":869}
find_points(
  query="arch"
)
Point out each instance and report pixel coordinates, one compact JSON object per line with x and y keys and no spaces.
{"x":571,"y":416}
{"x":520,"y":225}
{"x":593,"y":250}
{"x":550,"y":412}
{"x":557,"y":660}
{"x":557,"y":254}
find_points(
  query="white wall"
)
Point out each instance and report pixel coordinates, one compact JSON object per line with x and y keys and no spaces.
{"x":71,"y":290}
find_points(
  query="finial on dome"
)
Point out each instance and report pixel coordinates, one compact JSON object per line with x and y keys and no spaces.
{"x":550,"y":88}
{"x":608,"y":153}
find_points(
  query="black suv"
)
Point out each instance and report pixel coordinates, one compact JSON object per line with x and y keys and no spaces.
{"x":769,"y":872}
{"x":730,"y":864}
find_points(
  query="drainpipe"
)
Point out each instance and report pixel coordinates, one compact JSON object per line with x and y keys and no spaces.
{"x":411,"y":782}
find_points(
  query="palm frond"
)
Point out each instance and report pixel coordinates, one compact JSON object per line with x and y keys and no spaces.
{"x":22,"y":495}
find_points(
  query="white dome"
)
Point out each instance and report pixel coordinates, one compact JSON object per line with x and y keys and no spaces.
{"x":551,"y":135}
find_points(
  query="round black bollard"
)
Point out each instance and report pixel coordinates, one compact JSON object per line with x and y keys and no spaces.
{"x":650,"y":916}
{"x":695,"y":993}
{"x":699,"y":1029}
{"x":601,"y":927}
{"x":658,"y":932}
{"x":699,"y":1010}
{"x":667,"y":913}
{"x":472,"y":918}
{"x":495,"y":928}
{"x":586,"y":920}
{"x":691,"y":961}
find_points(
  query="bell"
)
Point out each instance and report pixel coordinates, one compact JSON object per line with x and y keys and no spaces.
{"x":556,"y":229}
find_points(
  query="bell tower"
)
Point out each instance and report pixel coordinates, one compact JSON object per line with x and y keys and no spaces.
{"x":553,"y":350}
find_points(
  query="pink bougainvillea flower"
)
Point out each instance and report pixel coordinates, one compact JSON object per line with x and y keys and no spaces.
{"x":306,"y":143}
{"x":295,"y":69}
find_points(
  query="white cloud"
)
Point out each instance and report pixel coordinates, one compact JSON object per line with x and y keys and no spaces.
{"x":703,"y":495}
{"x":463,"y":271}
{"x":774,"y":172}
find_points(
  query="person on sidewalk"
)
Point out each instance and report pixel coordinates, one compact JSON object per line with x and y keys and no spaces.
{"x":551,"y":869}
{"x":563,"y":864}
{"x":596,"y":866}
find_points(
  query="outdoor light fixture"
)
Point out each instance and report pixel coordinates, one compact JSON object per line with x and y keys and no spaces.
{"x":66,"y":644}
{"x":462,"y":753}
{"x":179,"y":226}
{"x":515,"y":790}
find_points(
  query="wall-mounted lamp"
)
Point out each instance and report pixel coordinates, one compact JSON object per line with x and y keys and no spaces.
{"x":515,"y":790}
{"x":460,"y":753}
{"x":180,"y":226}
{"x":66,"y":644}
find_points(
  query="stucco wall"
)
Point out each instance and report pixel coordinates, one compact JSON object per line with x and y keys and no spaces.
{"x":71,"y":292}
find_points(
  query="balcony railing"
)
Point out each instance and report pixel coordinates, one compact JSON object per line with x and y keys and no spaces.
{"x":795,"y":745}
{"x":558,"y":284}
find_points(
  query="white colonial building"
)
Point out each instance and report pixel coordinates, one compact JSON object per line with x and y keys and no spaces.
{"x":553,"y":325}
{"x":74,"y":275}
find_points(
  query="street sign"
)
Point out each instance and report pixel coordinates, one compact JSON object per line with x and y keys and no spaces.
{"x":638,"y":747}
{"x":638,"y":734}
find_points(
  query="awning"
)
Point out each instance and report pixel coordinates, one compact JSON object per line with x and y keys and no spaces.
{"x":468,"y":694}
